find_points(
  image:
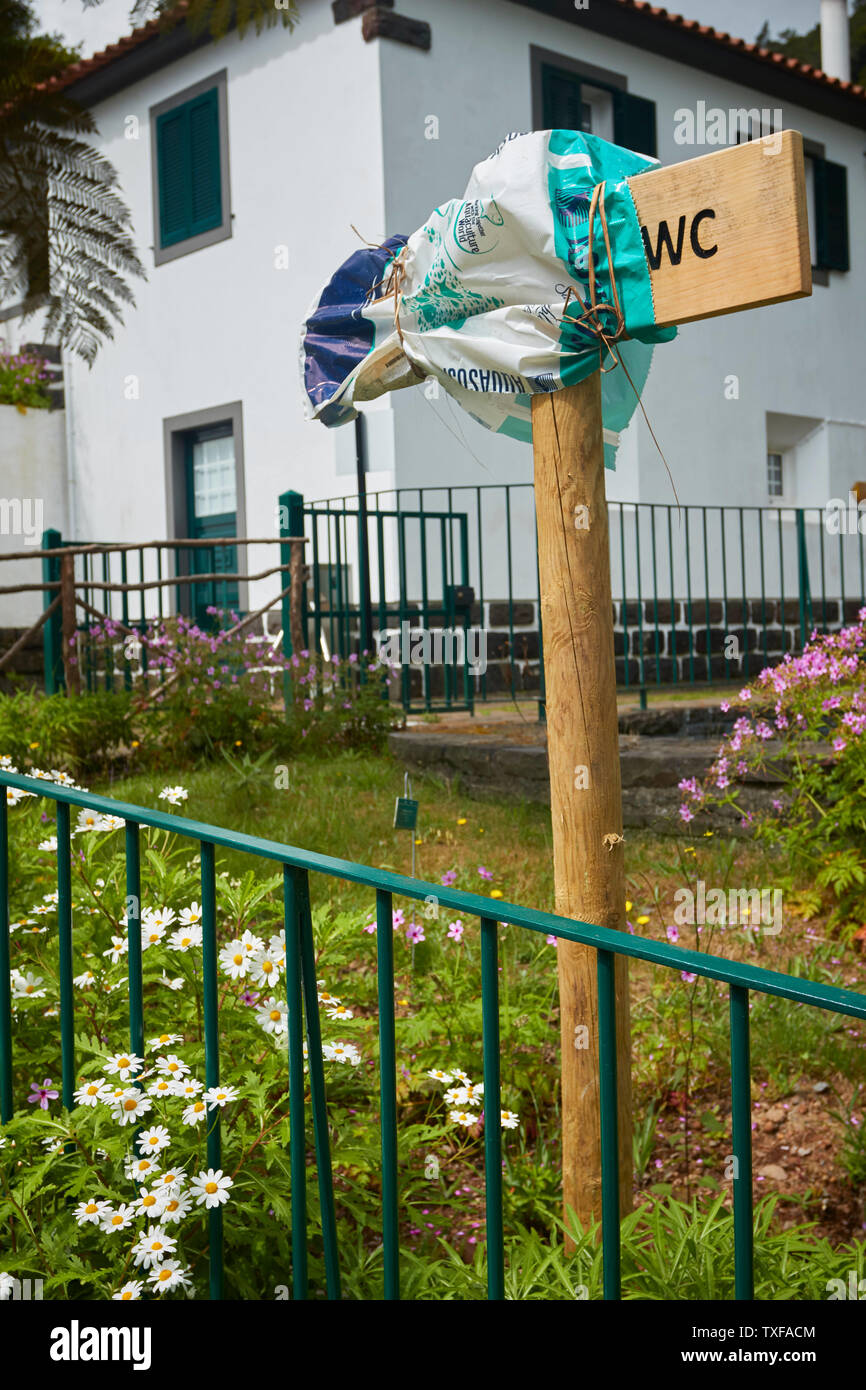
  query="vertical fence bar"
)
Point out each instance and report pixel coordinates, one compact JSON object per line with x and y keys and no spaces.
{"x":64,"y":933}
{"x":5,"y":983}
{"x":297,"y":1129}
{"x":133,"y":936}
{"x":211,"y":1052}
{"x":741,"y":1127}
{"x":388,"y":1093}
{"x":610,"y":1234}
{"x":317,"y":1091}
{"x":492,"y":1109}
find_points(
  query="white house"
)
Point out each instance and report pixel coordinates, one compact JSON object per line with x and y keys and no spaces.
{"x":247,"y":163}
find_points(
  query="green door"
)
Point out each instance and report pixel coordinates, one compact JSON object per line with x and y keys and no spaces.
{"x":212,"y":510}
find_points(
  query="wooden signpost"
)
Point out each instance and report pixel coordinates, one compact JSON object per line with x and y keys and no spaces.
{"x":724,"y":232}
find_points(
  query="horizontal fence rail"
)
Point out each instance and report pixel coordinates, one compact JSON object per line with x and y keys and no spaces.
{"x":302,"y":1002}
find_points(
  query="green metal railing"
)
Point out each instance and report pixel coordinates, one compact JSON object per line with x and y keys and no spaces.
{"x":302,"y":1001}
{"x":684,"y":580}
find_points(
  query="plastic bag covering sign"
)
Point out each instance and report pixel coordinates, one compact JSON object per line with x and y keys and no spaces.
{"x":487,"y":301}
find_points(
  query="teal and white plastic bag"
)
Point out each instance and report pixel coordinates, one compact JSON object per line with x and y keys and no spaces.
{"x":485,"y":297}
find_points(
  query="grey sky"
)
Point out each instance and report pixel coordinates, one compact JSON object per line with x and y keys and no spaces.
{"x":101,"y":25}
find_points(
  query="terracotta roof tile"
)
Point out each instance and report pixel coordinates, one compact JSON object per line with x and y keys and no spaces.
{"x":114,"y":51}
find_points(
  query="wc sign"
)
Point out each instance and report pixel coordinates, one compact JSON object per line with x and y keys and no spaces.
{"x":726,"y":231}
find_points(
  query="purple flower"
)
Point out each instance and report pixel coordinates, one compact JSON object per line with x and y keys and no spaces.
{"x":485,"y":873}
{"x":448,"y":877}
{"x":672,"y":934}
{"x":550,"y":940}
{"x":43,"y":1094}
{"x":686,"y":813}
{"x":398,"y":917}
{"x":688,"y":977}
{"x":415,"y":933}
{"x":455,"y":930}
{"x":249,"y":997}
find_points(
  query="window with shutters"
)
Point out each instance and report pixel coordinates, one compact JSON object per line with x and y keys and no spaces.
{"x":827,"y":204}
{"x":573,"y":97}
{"x":190,"y":170}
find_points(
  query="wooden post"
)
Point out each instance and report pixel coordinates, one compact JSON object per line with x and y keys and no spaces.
{"x":71,"y":672}
{"x":583,"y":753}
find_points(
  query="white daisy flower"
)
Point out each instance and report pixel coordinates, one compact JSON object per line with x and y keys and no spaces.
{"x":49,"y":845}
{"x":169,"y":1275}
{"x":162,"y":1086}
{"x":509,"y":1120}
{"x":187,"y":1086}
{"x":27,"y":986}
{"x":131,"y":1290}
{"x":211,"y":1187}
{"x":171,"y":1181}
{"x":92,"y":1092}
{"x":273,"y":1015}
{"x":463,"y":1117}
{"x":141,"y":1168}
{"x":152,"y":931}
{"x":171,"y":1066}
{"x":174,"y":795}
{"x":165,"y":1040}
{"x":219,"y":1096}
{"x":21,"y":922}
{"x":341,"y":1052}
{"x":443,"y":1076}
{"x":85,"y":980}
{"x":132,"y":1106}
{"x":194,"y":1113}
{"x":87,"y":820}
{"x":339,"y":1011}
{"x":149,"y":1202}
{"x":124,"y":1065}
{"x":91,"y":1212}
{"x":329,"y":1000}
{"x":13,"y":796}
{"x":190,"y":916}
{"x":177,"y":1206}
{"x":153,"y":1246}
{"x":117,"y":1219}
{"x":234,"y":960}
{"x":112,"y":823}
{"x":185,"y":938}
{"x":264,"y":968}
{"x":119,"y":944}
{"x":175,"y":984}
{"x":460,"y":1076}
{"x":153,"y":1140}
{"x":251,"y":943}
{"x":54,"y":1146}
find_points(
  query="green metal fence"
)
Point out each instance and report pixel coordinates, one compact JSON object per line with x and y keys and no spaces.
{"x":302,"y":1001}
{"x":701,"y":593}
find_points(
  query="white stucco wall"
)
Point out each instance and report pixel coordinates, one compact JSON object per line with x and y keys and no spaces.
{"x":32,"y":499}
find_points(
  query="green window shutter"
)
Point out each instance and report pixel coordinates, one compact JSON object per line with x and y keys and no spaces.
{"x":172,"y":176}
{"x":206,"y":187}
{"x":188,"y":169}
{"x":634,"y":123}
{"x":831,"y":215}
{"x":560,"y":100}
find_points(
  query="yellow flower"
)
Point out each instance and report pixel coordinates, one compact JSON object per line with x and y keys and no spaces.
{"x":419,"y":842}
{"x":34,"y":745}
{"x":628,"y":905}
{"x":708,"y":834}
{"x":462,"y":820}
{"x":481,"y":830}
{"x":402,"y":1001}
{"x":238,"y":742}
{"x":495,"y":893}
{"x":135,"y":743}
{"x":642,"y":921}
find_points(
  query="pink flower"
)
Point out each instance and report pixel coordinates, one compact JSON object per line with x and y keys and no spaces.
{"x":688,"y":977}
{"x":398,"y":917}
{"x":415,"y":933}
{"x":686,"y":813}
{"x":448,"y":877}
{"x":550,"y":940}
{"x":455,"y":930}
{"x":485,"y":873}
{"x":42,"y":1094}
{"x":672,"y":934}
